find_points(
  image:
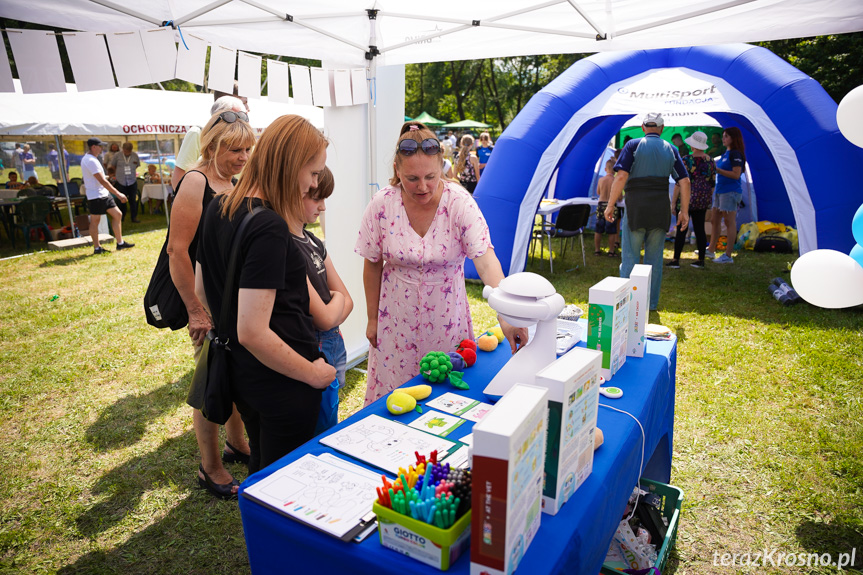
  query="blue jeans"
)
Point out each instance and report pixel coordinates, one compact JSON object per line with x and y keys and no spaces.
{"x":333,"y":347}
{"x":653,"y":241}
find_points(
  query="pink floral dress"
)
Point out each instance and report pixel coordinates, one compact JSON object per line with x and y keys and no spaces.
{"x":423,"y":304}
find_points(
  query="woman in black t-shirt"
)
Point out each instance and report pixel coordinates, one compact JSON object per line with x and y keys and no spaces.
{"x":277,"y":371}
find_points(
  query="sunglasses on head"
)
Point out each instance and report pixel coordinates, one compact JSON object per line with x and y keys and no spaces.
{"x":230,"y":117}
{"x":429,"y":146}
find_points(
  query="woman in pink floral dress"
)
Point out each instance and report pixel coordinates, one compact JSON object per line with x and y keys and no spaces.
{"x":415,"y":236}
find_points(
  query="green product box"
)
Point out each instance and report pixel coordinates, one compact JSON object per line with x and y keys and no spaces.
{"x":573,"y":399}
{"x":608,"y":322}
{"x":424,"y":542}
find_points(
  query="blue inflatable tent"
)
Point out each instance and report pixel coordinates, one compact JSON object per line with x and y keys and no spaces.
{"x":798,"y":159}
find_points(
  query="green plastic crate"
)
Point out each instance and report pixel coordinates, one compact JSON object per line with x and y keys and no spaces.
{"x":672,"y":499}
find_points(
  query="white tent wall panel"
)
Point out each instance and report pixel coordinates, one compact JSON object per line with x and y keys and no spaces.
{"x":37,"y":58}
{"x":130,"y":61}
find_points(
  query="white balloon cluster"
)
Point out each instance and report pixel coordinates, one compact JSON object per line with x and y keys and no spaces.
{"x":828,"y":278}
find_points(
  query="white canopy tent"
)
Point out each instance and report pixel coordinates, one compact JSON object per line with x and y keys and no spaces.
{"x":383,"y":36}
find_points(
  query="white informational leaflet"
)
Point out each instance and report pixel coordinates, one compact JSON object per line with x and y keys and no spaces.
{"x":130,"y":62}
{"x":302,"y":85}
{"x":37,"y":58}
{"x":223,"y":62}
{"x":438,"y":423}
{"x":359,"y":86}
{"x":249,"y":75}
{"x":386,"y":444}
{"x":327,"y":493}
{"x":342,"y":87}
{"x":470,"y":409}
{"x":191,"y":57}
{"x":321,"y":87}
{"x":277,"y":81}
{"x":161,"y":53}
{"x":91,"y":66}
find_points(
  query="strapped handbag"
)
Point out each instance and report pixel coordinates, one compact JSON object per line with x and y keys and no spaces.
{"x":211,"y":370}
{"x":163,"y":305}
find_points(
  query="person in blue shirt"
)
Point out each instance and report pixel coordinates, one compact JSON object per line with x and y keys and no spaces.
{"x":643,"y":167}
{"x":729,"y":192}
{"x":483,"y":150}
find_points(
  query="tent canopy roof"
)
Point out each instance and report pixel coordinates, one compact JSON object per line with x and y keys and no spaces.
{"x":467,"y":124}
{"x":406,"y":31}
{"x":429,"y":120}
{"x":129,"y":112}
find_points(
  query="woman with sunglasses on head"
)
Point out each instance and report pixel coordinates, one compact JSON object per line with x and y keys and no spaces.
{"x":276,"y":369}
{"x":226,"y":141}
{"x":415,"y":236}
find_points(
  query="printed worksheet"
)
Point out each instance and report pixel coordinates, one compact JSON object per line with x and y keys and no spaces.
{"x":436,"y":422}
{"x":386,"y":444}
{"x":325,"y":492}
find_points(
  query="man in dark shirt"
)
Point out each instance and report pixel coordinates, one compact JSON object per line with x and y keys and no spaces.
{"x":643,"y":168}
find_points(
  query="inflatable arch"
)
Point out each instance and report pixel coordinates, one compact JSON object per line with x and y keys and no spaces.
{"x":798,"y":159}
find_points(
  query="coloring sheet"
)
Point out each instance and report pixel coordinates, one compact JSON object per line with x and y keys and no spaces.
{"x":386,"y":444}
{"x":441,"y":424}
{"x":325,"y":492}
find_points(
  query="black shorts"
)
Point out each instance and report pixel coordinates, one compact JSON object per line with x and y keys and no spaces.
{"x":55,"y":175}
{"x":603,"y":226}
{"x":100,"y":206}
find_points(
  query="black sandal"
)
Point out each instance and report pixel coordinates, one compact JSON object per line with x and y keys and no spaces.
{"x":235,"y":456}
{"x":220,"y":490}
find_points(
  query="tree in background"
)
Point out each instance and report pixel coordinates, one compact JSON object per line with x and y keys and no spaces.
{"x":495,"y":90}
{"x":836,"y":62}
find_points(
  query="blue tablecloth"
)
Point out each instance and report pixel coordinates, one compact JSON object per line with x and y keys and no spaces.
{"x":573,"y":541}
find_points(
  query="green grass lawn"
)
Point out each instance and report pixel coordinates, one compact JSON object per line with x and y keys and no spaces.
{"x":98,"y":454}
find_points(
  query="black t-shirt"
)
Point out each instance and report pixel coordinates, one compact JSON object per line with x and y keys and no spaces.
{"x":315,"y":253}
{"x":269,"y":259}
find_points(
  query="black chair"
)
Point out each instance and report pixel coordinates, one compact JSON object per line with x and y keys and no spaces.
{"x":32,"y":213}
{"x":571,"y":221}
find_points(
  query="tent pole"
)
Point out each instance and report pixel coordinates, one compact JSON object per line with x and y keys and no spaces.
{"x":127,"y":11}
{"x":162,"y":180}
{"x":61,"y":159}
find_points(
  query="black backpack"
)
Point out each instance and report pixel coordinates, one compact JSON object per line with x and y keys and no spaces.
{"x":776,"y":244}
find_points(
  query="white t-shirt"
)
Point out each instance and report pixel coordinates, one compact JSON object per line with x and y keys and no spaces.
{"x":90,"y":165}
{"x":190,"y":149}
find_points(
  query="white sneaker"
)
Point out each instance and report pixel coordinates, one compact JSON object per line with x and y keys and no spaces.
{"x":723,"y":259}
{"x":709,"y":254}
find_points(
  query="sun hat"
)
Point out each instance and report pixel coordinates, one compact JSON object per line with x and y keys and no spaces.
{"x":653,"y":118}
{"x":697,"y":140}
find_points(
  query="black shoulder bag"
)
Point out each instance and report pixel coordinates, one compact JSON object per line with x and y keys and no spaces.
{"x":211,"y":370}
{"x":163,"y":305}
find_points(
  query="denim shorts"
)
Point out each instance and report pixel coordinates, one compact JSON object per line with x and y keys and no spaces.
{"x":727,"y":202}
{"x":333,"y":347}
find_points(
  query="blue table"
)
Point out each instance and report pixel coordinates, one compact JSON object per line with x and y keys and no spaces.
{"x":573,"y":541}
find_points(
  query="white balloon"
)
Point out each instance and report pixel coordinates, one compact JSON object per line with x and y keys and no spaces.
{"x":849,"y":116}
{"x":828,"y":278}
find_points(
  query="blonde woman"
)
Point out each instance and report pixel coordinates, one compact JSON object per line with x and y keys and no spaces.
{"x":226,"y":142}
{"x":467,"y":164}
{"x":277,"y":370}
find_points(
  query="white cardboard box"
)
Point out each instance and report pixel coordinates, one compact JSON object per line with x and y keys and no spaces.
{"x":573,"y":399}
{"x":639,"y":303}
{"x":608,"y":322}
{"x":508,"y":463}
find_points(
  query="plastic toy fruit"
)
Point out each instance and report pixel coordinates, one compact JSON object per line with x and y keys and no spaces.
{"x":498,"y":333}
{"x":435,"y":366}
{"x":416,"y":391}
{"x":487,"y":342}
{"x":399,"y":403}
